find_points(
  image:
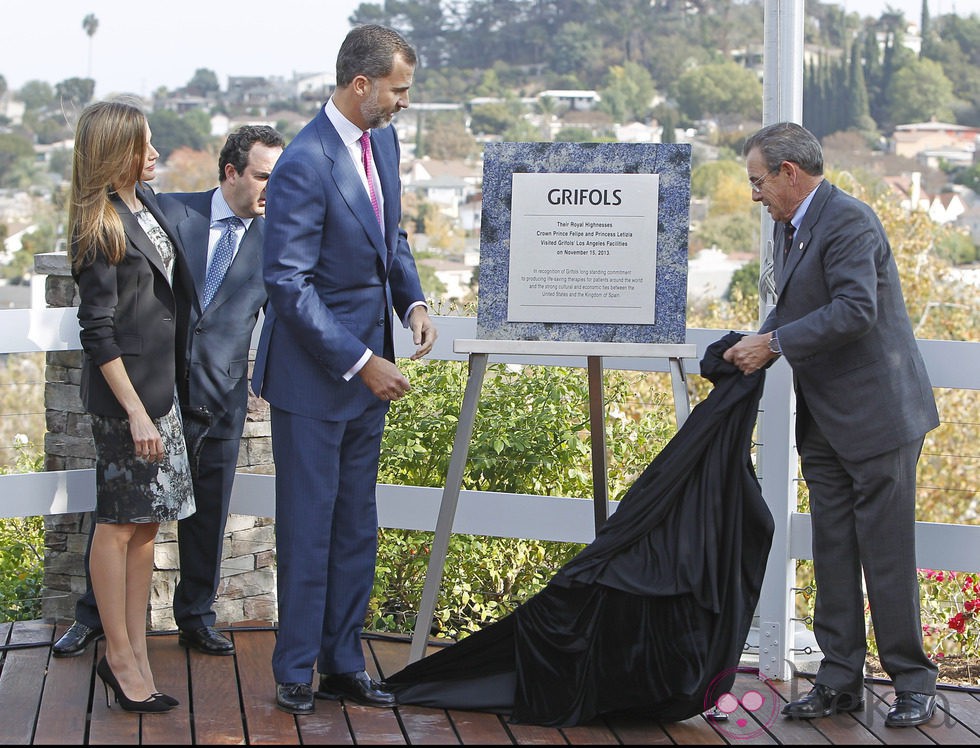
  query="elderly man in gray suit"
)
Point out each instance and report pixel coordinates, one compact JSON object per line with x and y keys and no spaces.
{"x":864,"y":405}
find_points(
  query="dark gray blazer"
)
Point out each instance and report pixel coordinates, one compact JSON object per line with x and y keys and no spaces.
{"x":213,"y":345}
{"x":127,"y":311}
{"x":845,"y":331}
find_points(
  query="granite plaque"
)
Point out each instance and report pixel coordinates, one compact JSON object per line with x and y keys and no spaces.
{"x":584,"y":242}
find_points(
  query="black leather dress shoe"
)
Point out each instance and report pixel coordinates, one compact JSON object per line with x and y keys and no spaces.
{"x":823,"y":701}
{"x":295,"y":698}
{"x":357,"y":687}
{"x":75,"y":640}
{"x":910,"y":709}
{"x":208,"y":640}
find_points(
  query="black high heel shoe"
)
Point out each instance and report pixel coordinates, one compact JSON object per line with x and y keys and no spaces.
{"x":147,"y":706}
{"x":165,"y":698}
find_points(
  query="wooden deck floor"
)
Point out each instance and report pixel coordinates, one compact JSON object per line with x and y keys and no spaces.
{"x":230,"y":700}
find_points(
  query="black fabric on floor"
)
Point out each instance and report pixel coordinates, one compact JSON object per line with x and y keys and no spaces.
{"x":649,"y":618}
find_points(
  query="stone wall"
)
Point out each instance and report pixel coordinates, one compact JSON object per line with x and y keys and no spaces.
{"x":247,"y":591}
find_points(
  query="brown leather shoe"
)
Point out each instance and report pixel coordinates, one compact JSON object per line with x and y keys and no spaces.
{"x":357,"y":687}
{"x":823,"y":701}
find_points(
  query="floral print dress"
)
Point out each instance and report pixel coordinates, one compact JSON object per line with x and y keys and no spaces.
{"x":130,"y":489}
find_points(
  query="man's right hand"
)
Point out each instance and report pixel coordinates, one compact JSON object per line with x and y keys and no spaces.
{"x":384,"y":379}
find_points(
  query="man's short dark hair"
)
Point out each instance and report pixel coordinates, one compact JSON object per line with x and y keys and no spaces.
{"x":239,"y":143}
{"x":370,"y":50}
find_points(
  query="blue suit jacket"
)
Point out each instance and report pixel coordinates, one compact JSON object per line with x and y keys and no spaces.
{"x":332,"y":277}
{"x":213,"y":344}
{"x":844,"y":329}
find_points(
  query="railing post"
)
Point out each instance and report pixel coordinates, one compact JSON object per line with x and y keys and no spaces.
{"x":67,"y":446}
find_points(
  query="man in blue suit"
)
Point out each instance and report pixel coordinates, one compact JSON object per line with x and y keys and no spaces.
{"x":213,"y":341}
{"x":336,"y":264}
{"x":864,"y":405}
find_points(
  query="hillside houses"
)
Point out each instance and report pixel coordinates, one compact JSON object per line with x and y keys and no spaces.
{"x":930,"y":142}
{"x":448,"y":184}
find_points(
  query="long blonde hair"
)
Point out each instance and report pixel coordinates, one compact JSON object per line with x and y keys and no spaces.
{"x":110,"y":150}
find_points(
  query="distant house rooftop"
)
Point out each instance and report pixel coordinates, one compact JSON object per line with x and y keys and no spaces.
{"x":570,"y":94}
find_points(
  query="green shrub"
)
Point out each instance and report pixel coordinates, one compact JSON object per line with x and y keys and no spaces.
{"x":22,"y":549}
{"x":531,"y":436}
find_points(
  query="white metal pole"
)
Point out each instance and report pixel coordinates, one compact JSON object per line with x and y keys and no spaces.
{"x":782,"y":90}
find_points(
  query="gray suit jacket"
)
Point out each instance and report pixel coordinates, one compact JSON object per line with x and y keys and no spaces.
{"x":213,"y":344}
{"x":845,"y":331}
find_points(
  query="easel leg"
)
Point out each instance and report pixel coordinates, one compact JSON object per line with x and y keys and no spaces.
{"x":678,"y":381}
{"x":597,"y":425}
{"x":447,"y":508}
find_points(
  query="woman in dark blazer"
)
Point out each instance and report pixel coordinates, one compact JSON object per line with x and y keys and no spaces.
{"x":122,"y":256}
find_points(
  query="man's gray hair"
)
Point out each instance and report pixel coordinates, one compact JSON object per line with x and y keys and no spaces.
{"x":787,"y":141}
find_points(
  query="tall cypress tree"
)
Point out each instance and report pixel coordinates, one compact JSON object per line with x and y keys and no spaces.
{"x":858,"y":114}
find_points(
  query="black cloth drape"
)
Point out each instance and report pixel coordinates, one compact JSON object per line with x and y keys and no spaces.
{"x":654,"y":613}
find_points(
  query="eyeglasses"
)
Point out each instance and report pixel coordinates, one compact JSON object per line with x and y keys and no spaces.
{"x":756,"y":184}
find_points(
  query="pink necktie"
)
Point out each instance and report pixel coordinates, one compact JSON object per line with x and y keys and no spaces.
{"x":367,"y":160}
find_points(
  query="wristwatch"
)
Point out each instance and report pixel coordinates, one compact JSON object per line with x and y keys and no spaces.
{"x":774,"y":344}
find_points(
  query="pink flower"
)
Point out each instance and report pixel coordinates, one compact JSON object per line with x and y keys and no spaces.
{"x":958,"y":623}
{"x":939,"y":576}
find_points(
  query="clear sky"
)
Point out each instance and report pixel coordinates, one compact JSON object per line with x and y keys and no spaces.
{"x":139,"y":47}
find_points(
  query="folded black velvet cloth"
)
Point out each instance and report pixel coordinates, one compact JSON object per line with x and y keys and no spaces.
{"x":654,"y":613}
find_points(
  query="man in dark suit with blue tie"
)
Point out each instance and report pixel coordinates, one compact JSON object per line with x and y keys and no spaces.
{"x":864,"y":405}
{"x":215,"y":323}
{"x":337,"y":267}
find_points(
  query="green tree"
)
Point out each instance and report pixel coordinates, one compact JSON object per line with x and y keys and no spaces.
{"x":424,"y":22}
{"x":744,"y":284}
{"x":724,"y":90}
{"x":90,"y":24}
{"x":574,"y":48}
{"x":36,"y":94}
{"x":956,"y":47}
{"x":858,"y":111}
{"x":74,"y":94}
{"x":969,"y":177}
{"x":493,"y":118}
{"x":446,"y":137}
{"x":203,"y":82}
{"x":708,"y":177}
{"x":919,"y":92}
{"x":668,"y":125}
{"x":16,"y":159}
{"x":628,"y":93}
{"x":522,"y":131}
{"x":574,"y":134}
{"x":171,"y":131}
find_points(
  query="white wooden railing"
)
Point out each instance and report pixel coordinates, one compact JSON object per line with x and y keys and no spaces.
{"x":940,"y":546}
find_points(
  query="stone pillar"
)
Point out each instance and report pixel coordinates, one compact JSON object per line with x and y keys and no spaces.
{"x":247,"y":591}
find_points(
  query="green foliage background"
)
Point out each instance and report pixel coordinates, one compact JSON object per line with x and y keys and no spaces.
{"x":22,"y":547}
{"x":531,"y":436}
